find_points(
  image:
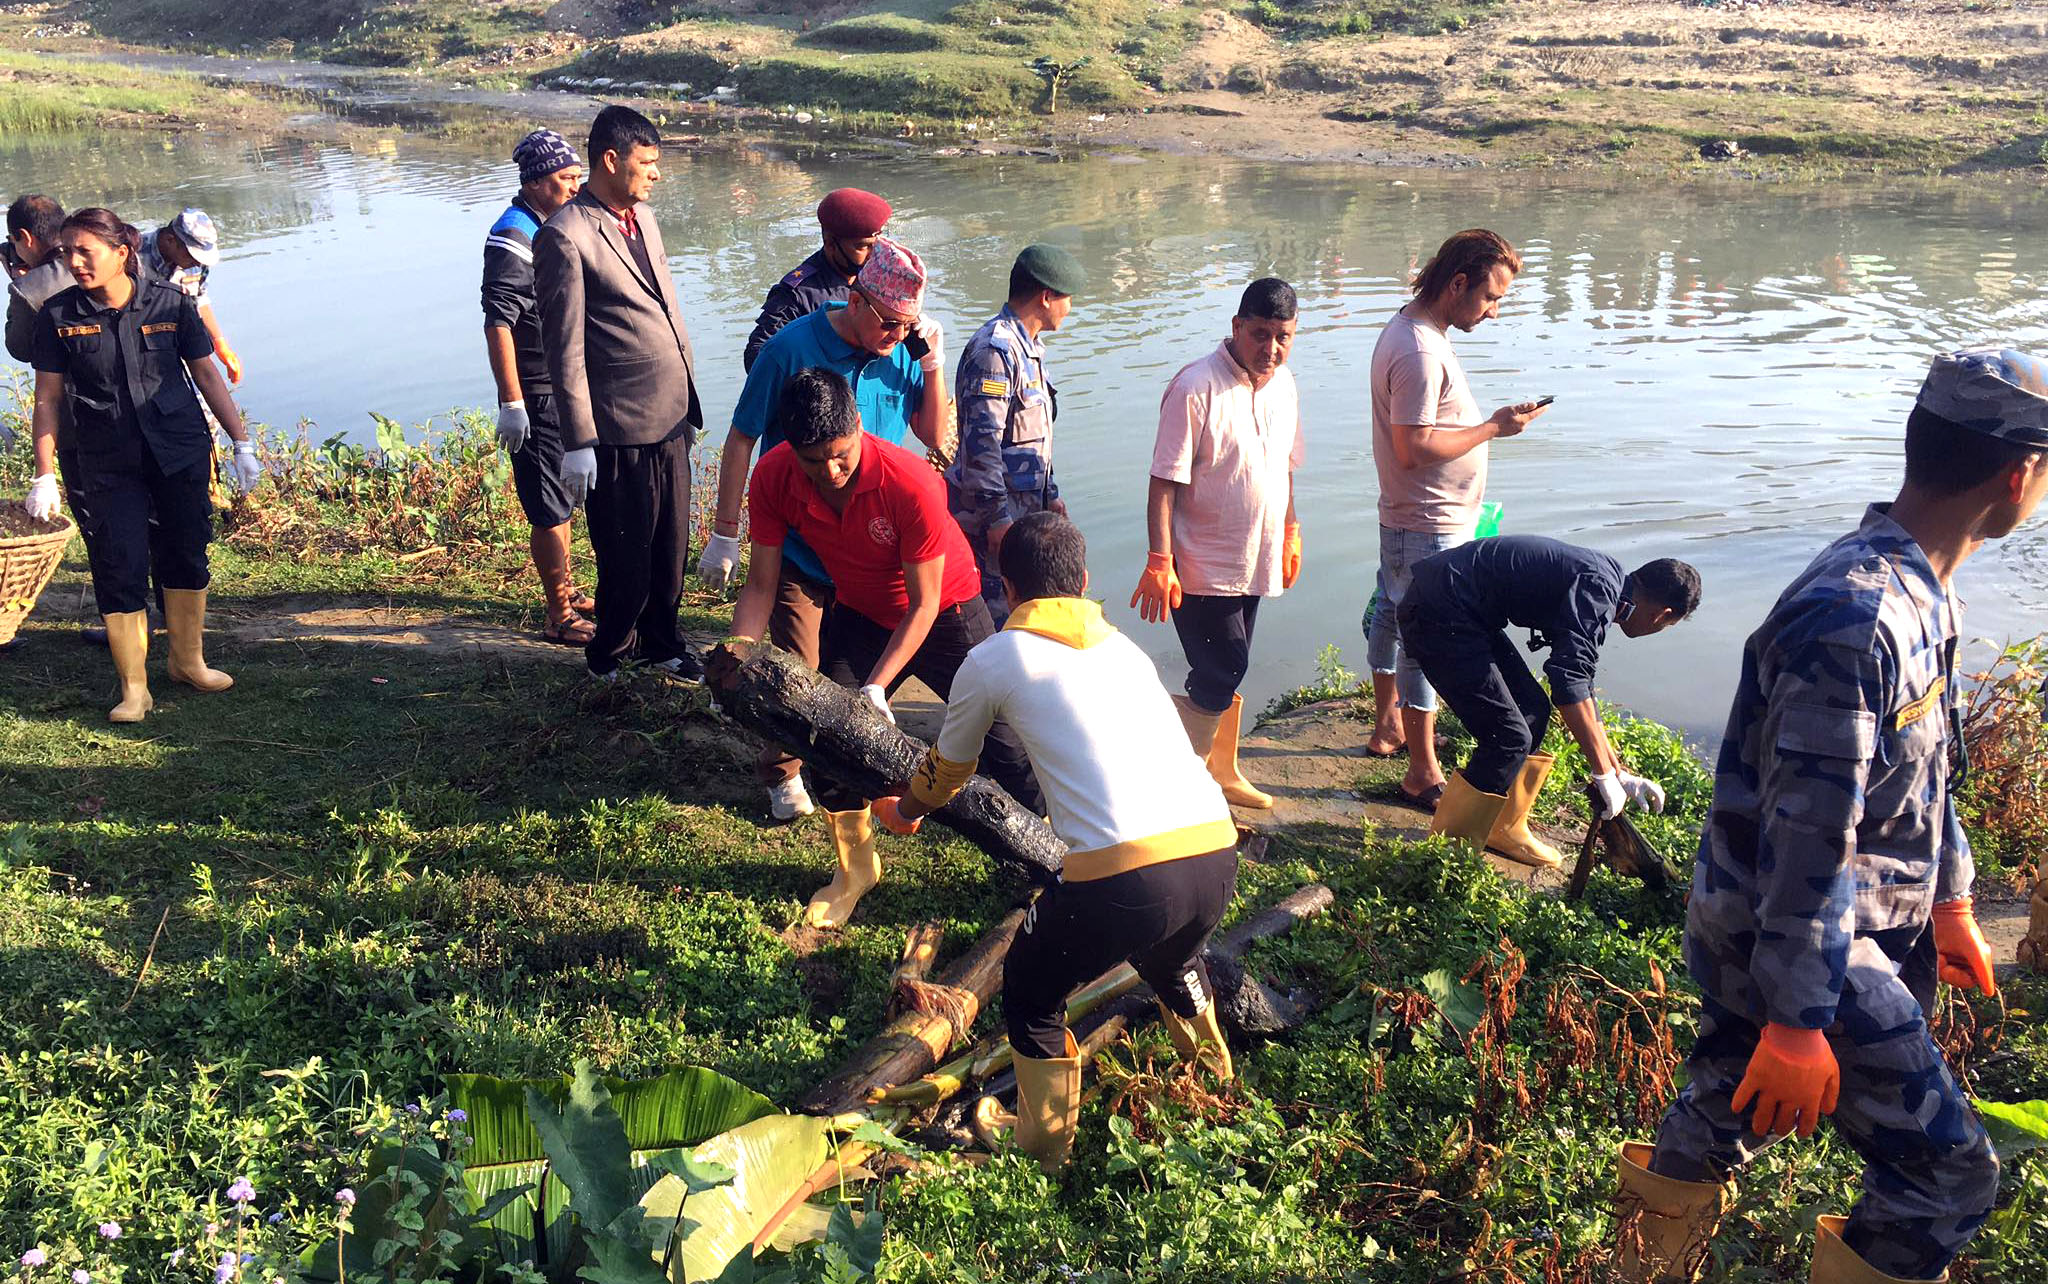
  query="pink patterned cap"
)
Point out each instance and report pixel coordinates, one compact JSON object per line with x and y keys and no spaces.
{"x":893,"y":276}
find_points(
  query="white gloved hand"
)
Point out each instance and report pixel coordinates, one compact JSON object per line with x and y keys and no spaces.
{"x":246,"y":469}
{"x":1645,"y":793}
{"x":42,"y":497}
{"x":880,"y":699}
{"x":720,"y":558}
{"x":579,"y":472}
{"x":928,"y":329}
{"x":1608,"y":797}
{"x":513,"y":426}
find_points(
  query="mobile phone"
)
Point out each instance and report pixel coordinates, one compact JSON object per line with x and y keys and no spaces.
{"x":1544,"y":401}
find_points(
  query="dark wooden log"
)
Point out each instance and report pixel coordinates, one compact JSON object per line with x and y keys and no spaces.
{"x":914,"y":1042}
{"x":780,"y":698}
{"x":1624,"y":849}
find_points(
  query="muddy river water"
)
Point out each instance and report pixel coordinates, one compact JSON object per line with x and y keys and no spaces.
{"x":1732,"y":363}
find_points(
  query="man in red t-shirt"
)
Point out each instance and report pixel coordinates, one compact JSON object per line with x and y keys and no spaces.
{"x":907,"y":594}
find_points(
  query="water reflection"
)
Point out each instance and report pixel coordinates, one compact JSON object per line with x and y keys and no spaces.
{"x":1732,"y":363}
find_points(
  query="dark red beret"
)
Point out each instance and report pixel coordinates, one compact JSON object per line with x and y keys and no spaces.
{"x":850,"y":212}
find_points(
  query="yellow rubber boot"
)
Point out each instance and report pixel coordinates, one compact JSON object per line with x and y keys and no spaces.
{"x":1200,"y":725}
{"x":1466,"y":814}
{"x":2033,"y":947}
{"x":1048,"y":1103}
{"x":1511,"y":836}
{"x":128,"y":640}
{"x":1834,"y":1262}
{"x":1676,"y":1220}
{"x":185,"y":614}
{"x":1200,"y":1041}
{"x":1223,"y":761}
{"x":853,"y":839}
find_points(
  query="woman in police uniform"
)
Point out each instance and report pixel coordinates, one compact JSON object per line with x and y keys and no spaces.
{"x":124,"y":351}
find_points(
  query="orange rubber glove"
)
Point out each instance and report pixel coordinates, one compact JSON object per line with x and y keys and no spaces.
{"x":1290,"y":555}
{"x":1965,"y":956}
{"x":886,"y":811}
{"x":1793,"y":1078}
{"x":1158,"y":588}
{"x":229,"y":362}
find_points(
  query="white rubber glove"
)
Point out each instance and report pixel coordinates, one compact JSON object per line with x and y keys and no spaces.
{"x":246,"y":468}
{"x":42,"y":497}
{"x":1645,"y":793}
{"x":513,"y":426}
{"x":927,"y":328}
{"x":720,"y":558}
{"x":1608,"y":796}
{"x":579,"y":473}
{"x":880,"y":699}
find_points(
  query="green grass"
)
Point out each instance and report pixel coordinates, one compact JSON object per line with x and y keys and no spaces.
{"x":239,"y":935}
{"x":372,"y":32}
{"x":40,"y":94}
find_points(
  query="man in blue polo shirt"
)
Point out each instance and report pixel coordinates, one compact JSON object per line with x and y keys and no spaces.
{"x":880,"y":342}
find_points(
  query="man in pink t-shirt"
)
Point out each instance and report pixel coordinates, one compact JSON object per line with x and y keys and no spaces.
{"x":1429,"y":446}
{"x":1220,"y":516}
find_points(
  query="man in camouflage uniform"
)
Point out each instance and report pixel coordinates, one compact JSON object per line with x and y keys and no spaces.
{"x":1833,"y":881}
{"x":1002,"y":469}
{"x":849,"y":223}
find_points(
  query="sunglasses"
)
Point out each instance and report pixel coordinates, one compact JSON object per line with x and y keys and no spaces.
{"x":892,"y":325}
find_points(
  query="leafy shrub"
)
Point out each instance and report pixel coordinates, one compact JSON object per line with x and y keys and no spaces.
{"x":2004,"y":800}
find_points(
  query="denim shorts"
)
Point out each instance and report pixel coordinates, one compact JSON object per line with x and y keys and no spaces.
{"x":1399,"y":552}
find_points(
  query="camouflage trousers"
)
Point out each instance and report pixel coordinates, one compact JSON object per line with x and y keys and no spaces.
{"x":1929,"y":1175}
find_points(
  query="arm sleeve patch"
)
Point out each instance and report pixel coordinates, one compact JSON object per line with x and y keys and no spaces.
{"x":937,"y":779}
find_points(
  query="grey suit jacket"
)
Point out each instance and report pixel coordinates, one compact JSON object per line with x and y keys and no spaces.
{"x":616,"y":341}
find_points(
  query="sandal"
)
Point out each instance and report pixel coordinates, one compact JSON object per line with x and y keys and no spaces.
{"x":571,"y":630}
{"x":1400,"y":752}
{"x":582,"y":603}
{"x":1426,"y":800}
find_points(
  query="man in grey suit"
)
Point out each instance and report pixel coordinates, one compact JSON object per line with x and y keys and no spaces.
{"x":624,"y":392}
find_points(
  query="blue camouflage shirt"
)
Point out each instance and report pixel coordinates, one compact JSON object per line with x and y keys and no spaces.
{"x":1002,"y":469}
{"x":1832,"y":834}
{"x":814,"y":283}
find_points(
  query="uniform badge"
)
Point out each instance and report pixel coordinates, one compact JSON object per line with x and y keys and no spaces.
{"x":882,"y":531}
{"x":1918,"y":709}
{"x":158,"y":327}
{"x":76,"y":331}
{"x":995,"y":388}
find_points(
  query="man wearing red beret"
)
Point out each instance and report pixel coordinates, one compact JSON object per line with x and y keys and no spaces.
{"x":850,"y":220}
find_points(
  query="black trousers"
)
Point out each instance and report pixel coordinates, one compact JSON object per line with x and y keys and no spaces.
{"x":1157,"y":917}
{"x":640,"y":533}
{"x":136,"y":518}
{"x":853,"y":643}
{"x":1484,"y":680}
{"x":1216,"y":636}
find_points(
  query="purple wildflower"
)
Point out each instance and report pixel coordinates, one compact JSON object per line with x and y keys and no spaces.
{"x":458,"y":1116}
{"x":81,"y":1276}
{"x":110,"y":1230}
{"x":34,"y":1257}
{"x":177,"y":1255}
{"x":226,"y":1270}
{"x":242,"y":1192}
{"x":274,"y":1218}
{"x":345,"y":1197}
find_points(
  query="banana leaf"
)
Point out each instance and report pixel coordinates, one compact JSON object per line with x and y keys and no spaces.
{"x":680,"y":1108}
{"x":771,"y":1158}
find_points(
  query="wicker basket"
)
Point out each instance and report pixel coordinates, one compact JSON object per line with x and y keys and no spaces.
{"x":26,"y":564}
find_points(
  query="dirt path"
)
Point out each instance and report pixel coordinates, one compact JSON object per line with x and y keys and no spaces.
{"x":1312,"y":759}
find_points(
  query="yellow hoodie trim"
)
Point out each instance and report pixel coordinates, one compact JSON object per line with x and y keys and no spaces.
{"x":1136,"y":853}
{"x":1076,"y":621}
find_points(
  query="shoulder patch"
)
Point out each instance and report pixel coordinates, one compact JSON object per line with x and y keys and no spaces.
{"x":1917,"y":709}
{"x":794,"y":279}
{"x":995,"y":388}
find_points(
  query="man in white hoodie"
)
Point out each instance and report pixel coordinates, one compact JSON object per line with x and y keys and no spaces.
{"x":1152,"y":851}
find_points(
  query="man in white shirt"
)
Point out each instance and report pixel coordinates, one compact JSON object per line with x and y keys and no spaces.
{"x":1429,"y":446}
{"x":1152,"y":851}
{"x":1219,"y":515}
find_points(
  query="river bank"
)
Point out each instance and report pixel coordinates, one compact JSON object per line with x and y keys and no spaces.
{"x":1800,"y":89}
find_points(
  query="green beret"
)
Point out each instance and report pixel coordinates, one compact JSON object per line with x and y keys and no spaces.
{"x":1053,"y":268}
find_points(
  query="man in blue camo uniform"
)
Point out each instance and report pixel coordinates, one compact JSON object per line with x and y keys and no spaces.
{"x":1833,"y":882}
{"x":1002,"y":469}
